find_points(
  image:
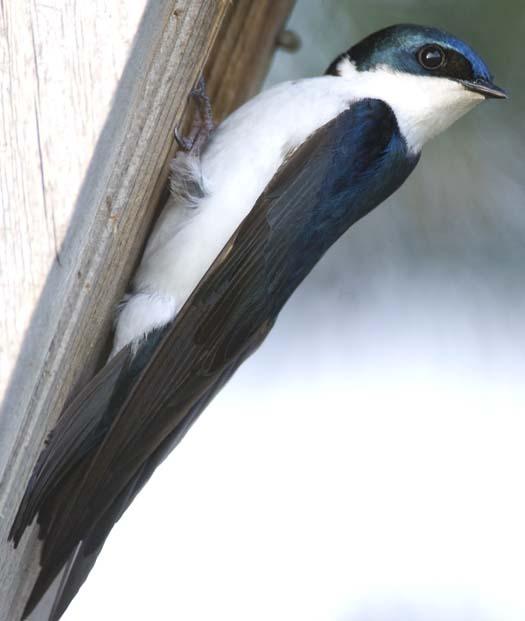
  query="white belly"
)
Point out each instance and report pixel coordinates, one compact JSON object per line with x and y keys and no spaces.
{"x":244,"y":154}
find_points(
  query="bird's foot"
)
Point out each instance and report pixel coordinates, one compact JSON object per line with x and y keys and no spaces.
{"x":202,"y":125}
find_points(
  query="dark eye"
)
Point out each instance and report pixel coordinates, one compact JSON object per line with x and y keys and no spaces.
{"x":431,"y":57}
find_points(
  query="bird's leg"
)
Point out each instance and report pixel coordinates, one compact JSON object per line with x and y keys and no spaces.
{"x":204,"y":103}
{"x":202,"y":125}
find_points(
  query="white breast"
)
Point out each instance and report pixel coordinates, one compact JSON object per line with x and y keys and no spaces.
{"x":244,"y":154}
{"x":424,"y":105}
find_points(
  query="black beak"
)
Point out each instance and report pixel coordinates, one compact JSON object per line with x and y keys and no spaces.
{"x":485,"y":88}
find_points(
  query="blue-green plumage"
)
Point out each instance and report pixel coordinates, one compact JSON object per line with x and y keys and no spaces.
{"x":353,"y":165}
{"x":398,"y":48}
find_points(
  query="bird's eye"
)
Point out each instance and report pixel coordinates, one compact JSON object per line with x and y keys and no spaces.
{"x":431,"y":57}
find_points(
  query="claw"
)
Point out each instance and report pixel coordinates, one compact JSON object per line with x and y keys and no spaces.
{"x":186,"y":144}
{"x":204,"y":104}
{"x":203,"y":123}
{"x":199,"y":90}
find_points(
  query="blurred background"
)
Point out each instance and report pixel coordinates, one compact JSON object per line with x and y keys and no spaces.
{"x":367,"y":463}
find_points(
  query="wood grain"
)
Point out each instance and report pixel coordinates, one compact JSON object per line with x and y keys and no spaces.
{"x":90,"y":95}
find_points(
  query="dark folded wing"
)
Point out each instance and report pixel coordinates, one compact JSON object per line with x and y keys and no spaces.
{"x":325,"y":185}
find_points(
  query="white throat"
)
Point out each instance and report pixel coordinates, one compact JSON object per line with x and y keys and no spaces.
{"x":424,"y":106}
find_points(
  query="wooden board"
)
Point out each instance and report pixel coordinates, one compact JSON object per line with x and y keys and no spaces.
{"x":90,"y":96}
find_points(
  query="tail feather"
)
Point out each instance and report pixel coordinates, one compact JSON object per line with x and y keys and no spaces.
{"x":62,"y":467}
{"x":77,"y":432}
{"x":81,"y":561}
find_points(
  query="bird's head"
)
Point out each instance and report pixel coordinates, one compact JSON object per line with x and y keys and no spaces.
{"x":429,"y":77}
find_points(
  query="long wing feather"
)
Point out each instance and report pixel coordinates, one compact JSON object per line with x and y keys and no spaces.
{"x":324,"y":187}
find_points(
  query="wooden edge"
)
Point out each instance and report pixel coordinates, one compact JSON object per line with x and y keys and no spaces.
{"x":120,"y":196}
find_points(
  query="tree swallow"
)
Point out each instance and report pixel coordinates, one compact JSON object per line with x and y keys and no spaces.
{"x":276,"y":185}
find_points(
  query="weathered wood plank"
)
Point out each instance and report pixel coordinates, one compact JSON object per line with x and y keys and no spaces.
{"x":90,"y":98}
{"x":239,"y":62}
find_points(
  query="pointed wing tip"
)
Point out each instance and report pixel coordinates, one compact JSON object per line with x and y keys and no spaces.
{"x":23,"y":519}
{"x":43,"y":583}
{"x":17,"y":531}
{"x":30,"y":604}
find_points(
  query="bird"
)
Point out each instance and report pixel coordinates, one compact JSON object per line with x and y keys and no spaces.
{"x":251,"y":211}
